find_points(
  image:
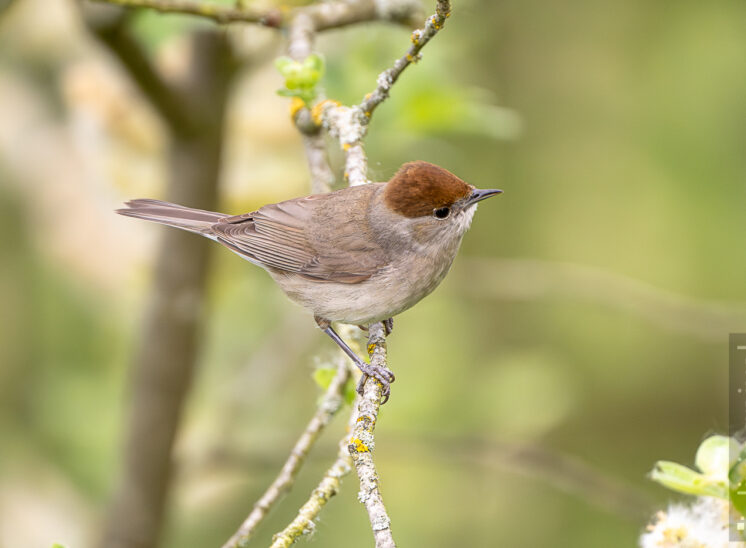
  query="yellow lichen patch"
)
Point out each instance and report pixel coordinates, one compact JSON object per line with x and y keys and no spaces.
{"x":409,"y":57}
{"x":318,"y":110}
{"x":296,"y":104}
{"x":368,"y":113}
{"x":345,"y":146}
{"x":359,"y":446}
{"x":371,"y":348}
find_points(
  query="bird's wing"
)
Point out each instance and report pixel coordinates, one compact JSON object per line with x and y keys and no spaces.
{"x":275,"y":236}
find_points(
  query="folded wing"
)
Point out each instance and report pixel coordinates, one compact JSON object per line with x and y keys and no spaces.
{"x":275,"y":237}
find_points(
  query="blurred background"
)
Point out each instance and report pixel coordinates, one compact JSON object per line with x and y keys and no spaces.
{"x":581,"y":335}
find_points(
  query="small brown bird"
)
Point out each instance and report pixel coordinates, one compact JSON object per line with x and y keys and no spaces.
{"x":359,"y":255}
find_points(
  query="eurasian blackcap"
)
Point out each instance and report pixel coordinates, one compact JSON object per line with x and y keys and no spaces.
{"x":359,"y":255}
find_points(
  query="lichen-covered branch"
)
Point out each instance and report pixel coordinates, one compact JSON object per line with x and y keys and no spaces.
{"x":322,"y":176}
{"x":362,"y":443}
{"x":304,"y":523}
{"x":420,"y":37}
{"x":330,"y":404}
{"x":323,"y":16}
{"x":349,"y":124}
{"x":301,"y":37}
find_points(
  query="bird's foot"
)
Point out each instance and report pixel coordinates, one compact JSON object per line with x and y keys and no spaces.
{"x":382,"y":374}
{"x":388,"y":326}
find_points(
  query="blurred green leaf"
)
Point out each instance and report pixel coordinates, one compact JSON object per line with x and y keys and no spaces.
{"x":300,"y":77}
{"x":350,"y":391}
{"x":685,"y":480}
{"x":323,"y":376}
{"x":314,"y":64}
{"x":713,"y":459}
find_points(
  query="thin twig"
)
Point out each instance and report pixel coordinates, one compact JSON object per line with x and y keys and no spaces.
{"x":322,"y":176}
{"x":324,"y":16}
{"x":362,"y":443}
{"x":304,"y":523}
{"x":332,"y":15}
{"x":349,"y":124}
{"x":217,"y":12}
{"x":420,"y":37}
{"x":301,"y":37}
{"x":328,"y":407}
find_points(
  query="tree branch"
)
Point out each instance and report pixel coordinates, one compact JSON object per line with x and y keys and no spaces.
{"x":323,"y":16}
{"x":301,"y":37}
{"x":362,"y":443}
{"x":329,"y":405}
{"x":322,"y":176}
{"x":304,"y":522}
{"x":169,"y":344}
{"x":420,"y":38}
{"x":349,"y":124}
{"x":167,"y":101}
{"x":216,"y":12}
{"x":332,"y":15}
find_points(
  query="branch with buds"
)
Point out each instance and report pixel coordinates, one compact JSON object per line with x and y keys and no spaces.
{"x":350,"y":124}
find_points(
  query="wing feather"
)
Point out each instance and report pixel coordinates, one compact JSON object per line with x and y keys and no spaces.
{"x":275,"y":237}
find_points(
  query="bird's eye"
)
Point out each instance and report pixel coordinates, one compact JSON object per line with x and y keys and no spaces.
{"x":442,"y":212}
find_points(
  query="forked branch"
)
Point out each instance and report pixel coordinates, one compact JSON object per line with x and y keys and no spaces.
{"x":329,"y":405}
{"x":350,"y":124}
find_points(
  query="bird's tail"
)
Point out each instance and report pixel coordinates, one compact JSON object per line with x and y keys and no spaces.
{"x":194,"y":220}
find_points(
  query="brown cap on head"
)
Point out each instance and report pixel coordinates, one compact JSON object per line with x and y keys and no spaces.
{"x":418,"y":188}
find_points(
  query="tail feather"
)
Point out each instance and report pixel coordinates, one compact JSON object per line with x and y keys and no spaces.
{"x":194,"y":220}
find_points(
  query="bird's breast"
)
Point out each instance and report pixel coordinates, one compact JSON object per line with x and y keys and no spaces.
{"x":396,"y":287}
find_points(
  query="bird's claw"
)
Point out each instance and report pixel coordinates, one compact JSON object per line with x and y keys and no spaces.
{"x":388,"y":326}
{"x":382,"y":374}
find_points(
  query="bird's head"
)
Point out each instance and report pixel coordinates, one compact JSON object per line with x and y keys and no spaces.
{"x":436,"y":201}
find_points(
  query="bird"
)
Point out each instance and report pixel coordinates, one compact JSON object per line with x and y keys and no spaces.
{"x":359,"y":255}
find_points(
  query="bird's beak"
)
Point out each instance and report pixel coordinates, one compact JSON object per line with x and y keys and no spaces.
{"x":479,"y":194}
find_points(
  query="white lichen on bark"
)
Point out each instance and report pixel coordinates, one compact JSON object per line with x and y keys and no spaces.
{"x":362,"y":443}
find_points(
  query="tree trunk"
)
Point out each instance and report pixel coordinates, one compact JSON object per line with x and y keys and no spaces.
{"x":170,"y":341}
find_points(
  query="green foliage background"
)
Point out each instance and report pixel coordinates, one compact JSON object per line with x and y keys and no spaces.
{"x":616,"y":129}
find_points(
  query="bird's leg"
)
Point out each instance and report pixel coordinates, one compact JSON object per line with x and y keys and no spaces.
{"x":381,"y":374}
